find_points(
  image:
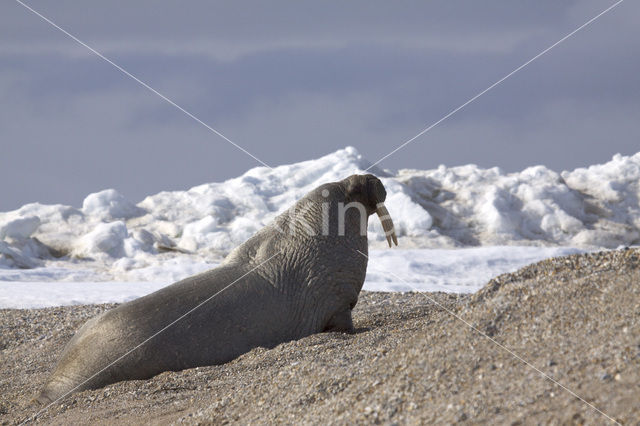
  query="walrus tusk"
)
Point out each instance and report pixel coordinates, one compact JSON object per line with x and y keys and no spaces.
{"x":387,"y":223}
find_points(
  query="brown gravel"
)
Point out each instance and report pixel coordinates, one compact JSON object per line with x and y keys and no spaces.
{"x":577,"y":319}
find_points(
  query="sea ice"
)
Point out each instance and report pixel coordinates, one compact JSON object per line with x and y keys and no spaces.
{"x":446,"y":207}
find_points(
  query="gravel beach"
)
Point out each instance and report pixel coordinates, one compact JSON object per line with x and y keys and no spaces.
{"x":415,"y":358}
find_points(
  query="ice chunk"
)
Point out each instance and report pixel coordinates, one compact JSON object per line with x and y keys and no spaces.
{"x":19,"y":228}
{"x":110,"y":204}
{"x":106,"y":238}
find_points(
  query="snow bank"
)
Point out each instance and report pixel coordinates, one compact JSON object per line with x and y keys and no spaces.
{"x":597,"y":207}
{"x":441,"y":208}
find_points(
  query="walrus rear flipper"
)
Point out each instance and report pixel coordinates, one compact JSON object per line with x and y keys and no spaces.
{"x":45,"y":397}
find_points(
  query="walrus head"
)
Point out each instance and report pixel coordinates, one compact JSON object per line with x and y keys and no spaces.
{"x":369,"y":190}
{"x":339,"y":209}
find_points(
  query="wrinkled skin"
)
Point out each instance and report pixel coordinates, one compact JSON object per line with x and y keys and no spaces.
{"x":310,"y":286}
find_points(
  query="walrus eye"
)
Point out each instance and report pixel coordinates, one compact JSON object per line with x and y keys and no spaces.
{"x":387,"y":223}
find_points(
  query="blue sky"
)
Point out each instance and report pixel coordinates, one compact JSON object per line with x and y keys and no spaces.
{"x":290,"y":81}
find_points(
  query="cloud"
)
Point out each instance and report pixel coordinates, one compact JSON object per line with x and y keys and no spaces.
{"x":292,"y":81}
{"x":229,"y":32}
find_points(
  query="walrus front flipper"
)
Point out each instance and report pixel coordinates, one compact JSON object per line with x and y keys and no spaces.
{"x":341,"y":322}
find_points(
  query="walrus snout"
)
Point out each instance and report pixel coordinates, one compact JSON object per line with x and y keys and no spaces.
{"x":375,"y":190}
{"x":366,"y":189}
{"x":374,"y":196}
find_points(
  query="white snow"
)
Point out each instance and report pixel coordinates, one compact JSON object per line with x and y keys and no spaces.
{"x":448,"y":270}
{"x":25,"y":295}
{"x":114,"y":239}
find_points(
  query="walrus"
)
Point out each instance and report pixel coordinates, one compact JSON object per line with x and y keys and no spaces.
{"x":301,"y":274}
